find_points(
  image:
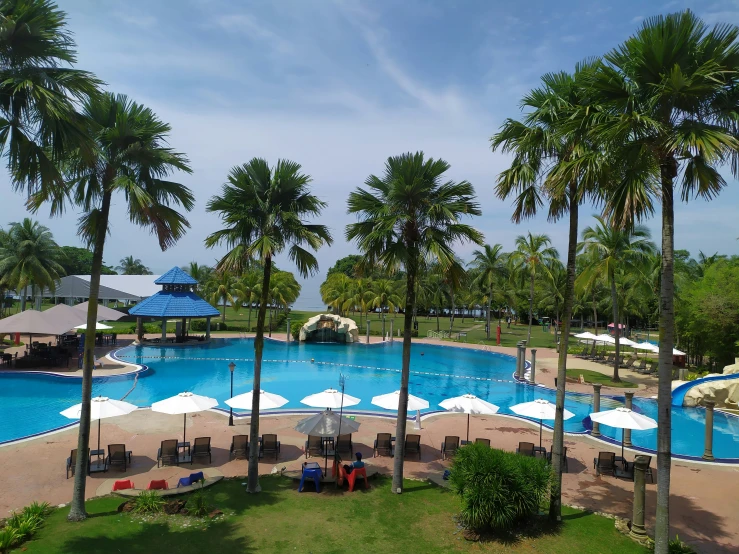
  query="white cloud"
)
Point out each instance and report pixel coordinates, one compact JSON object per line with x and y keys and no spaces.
{"x":250,"y":28}
{"x":137,"y":20}
{"x":637,"y":19}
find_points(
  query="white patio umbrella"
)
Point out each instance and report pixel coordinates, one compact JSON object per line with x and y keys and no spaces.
{"x":587,"y":335}
{"x":623,"y":341}
{"x":539,"y":409}
{"x":327,"y":424}
{"x":604,"y":337}
{"x":267,"y":401}
{"x":468,"y":404}
{"x":98,"y":326}
{"x":103,"y":313}
{"x":391,"y":400}
{"x":647,"y":346}
{"x":330,"y":398}
{"x":676,"y":352}
{"x":184,"y":403}
{"x":101,"y":407}
{"x":623,"y":418}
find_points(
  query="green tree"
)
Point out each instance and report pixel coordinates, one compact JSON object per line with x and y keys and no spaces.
{"x":284,"y":290}
{"x":78,"y":261}
{"x":247,"y":291}
{"x":384,"y":295}
{"x":221,"y":288}
{"x":38,"y":93}
{"x":131,"y":266}
{"x":664,"y":103}
{"x":533,"y":253}
{"x":406,"y":215}
{"x":608,"y":249}
{"x":130,"y":158}
{"x":490,"y":265}
{"x":263,"y":211}
{"x":201,"y":273}
{"x":29,"y":256}
{"x":347,"y":265}
{"x":337,"y":291}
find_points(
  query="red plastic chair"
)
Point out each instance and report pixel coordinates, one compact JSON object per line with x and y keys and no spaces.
{"x":123,"y":485}
{"x":352,"y":477}
{"x":157,"y":485}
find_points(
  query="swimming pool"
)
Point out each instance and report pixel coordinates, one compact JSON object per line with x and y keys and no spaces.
{"x":30,"y":403}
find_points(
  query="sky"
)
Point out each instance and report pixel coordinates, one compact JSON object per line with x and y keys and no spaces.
{"x":340,"y":85}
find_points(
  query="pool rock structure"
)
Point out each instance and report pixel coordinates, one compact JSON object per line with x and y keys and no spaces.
{"x":329,"y":328}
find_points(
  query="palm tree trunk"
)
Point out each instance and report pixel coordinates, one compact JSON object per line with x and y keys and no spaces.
{"x":248,"y":319}
{"x":555,"y":491}
{"x":490,"y":307}
{"x":595,"y":316}
{"x":23,"y":298}
{"x":666,"y":336}
{"x":223,"y":315}
{"x":614,"y":300}
{"x":451,"y":318}
{"x":531,"y":309}
{"x":438,"y":326}
{"x":77,"y":510}
{"x":253,"y":479}
{"x":410,"y":301}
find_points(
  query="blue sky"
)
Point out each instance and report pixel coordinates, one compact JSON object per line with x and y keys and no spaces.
{"x":339,"y":86}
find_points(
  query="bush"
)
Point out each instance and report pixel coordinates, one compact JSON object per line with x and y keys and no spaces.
{"x":24,"y":525}
{"x":40,"y":509}
{"x":497,"y":488}
{"x":198,"y":504}
{"x":198,"y":325}
{"x":148,"y":502}
{"x":8,"y":539}
{"x":295,"y":328}
{"x":677,"y":546}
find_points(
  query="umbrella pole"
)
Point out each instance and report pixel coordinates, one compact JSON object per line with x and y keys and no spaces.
{"x":623,"y":432}
{"x":184,"y":427}
{"x":98,"y":440}
{"x":541,"y":425}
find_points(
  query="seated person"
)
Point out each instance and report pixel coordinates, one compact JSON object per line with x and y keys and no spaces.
{"x":358,"y":463}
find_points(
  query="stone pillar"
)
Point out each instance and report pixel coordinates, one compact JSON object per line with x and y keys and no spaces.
{"x":638,"y":529}
{"x":289,"y":330}
{"x":628,"y":404}
{"x":596,"y":408}
{"x":368,"y":329}
{"x":708,"y":452}
{"x":523,"y":358}
{"x":532,"y":374}
{"x":391,"y":329}
{"x":518,"y":359}
{"x":207,"y":328}
{"x":164,"y":328}
{"x":139,"y":329}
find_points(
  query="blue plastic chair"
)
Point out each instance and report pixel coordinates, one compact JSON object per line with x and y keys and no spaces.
{"x":183,"y":482}
{"x":190,"y":480}
{"x":316,"y":474}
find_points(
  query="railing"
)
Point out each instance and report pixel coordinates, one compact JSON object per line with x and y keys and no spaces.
{"x":437,"y":334}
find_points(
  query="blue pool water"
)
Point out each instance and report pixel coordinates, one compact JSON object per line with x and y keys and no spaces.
{"x":31,"y":404}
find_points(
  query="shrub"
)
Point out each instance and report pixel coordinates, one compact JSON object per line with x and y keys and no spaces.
{"x":8,"y":539}
{"x":148,"y":502}
{"x":677,"y":546}
{"x":40,"y":509}
{"x":198,"y":325}
{"x":295,"y":328}
{"x":24,"y":525}
{"x":198,"y":504}
{"x":498,"y":488}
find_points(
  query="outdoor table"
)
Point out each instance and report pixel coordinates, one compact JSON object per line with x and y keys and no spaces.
{"x":98,"y":465}
{"x":541,"y":450}
{"x":184,"y":446}
{"x":623,"y":461}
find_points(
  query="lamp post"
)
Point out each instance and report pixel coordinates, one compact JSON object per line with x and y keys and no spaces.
{"x":231,"y":368}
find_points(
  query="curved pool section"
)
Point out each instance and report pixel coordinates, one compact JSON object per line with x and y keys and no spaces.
{"x":30,"y":403}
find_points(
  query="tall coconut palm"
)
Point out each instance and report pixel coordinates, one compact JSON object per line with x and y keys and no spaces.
{"x":490,"y":265}
{"x":200,"y":272}
{"x":222,"y":288}
{"x":131,"y":158}
{"x":248,"y":291}
{"x":665,"y":105}
{"x":132,"y":266}
{"x":38,"y":92}
{"x":384,"y":295}
{"x":608,"y":249}
{"x":532,"y":256}
{"x":263,"y":211}
{"x":361,"y":294}
{"x":29,"y":257}
{"x":409,"y":213}
{"x":337,"y":291}
{"x":284,"y":290}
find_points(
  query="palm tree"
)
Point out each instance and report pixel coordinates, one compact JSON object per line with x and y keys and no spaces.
{"x":361,"y":293}
{"x":130,"y":158}
{"x":609,"y":248}
{"x":665,"y":105}
{"x":406,"y":215}
{"x":29,"y":257}
{"x":489,"y":263}
{"x":384,"y":295}
{"x":263,"y":211}
{"x":248,"y":290}
{"x":338,"y":292}
{"x":131,"y":266}
{"x":221,"y":289}
{"x":38,"y":93}
{"x":284,"y":290}
{"x":533,"y":252}
{"x":201,"y":273}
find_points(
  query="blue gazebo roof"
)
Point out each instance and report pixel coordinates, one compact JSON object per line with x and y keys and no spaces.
{"x":175,"y":276}
{"x":174,"y":304}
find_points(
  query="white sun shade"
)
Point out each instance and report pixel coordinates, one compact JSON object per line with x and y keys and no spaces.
{"x":98,"y":326}
{"x":538,"y":409}
{"x":330,"y":398}
{"x":101,"y":407}
{"x":267,"y":401}
{"x":327,"y":424}
{"x":646,"y":346}
{"x":624,"y":418}
{"x":391,"y":400}
{"x":184,"y":403}
{"x":587,"y":335}
{"x":468,"y":404}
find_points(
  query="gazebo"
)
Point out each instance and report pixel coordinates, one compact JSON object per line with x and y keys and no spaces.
{"x":176,"y":300}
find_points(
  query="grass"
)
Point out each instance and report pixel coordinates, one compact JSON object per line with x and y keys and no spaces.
{"x":596,"y":377}
{"x":281,"y":520}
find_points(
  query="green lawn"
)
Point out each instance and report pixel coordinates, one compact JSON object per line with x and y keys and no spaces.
{"x":281,"y":520}
{"x":595,"y":377}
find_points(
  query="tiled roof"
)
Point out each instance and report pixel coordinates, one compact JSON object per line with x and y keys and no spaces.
{"x":173,"y":304}
{"x":175,"y":276}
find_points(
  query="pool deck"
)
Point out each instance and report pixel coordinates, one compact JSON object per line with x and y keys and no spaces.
{"x":704,"y":497}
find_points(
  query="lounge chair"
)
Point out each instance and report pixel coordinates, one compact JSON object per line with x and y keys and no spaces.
{"x":605,"y":462}
{"x":564,"y":459}
{"x":118,"y":456}
{"x":313,"y":446}
{"x":641,"y":366}
{"x":201,"y":449}
{"x":383,"y":445}
{"x":486,"y":442}
{"x":449,"y":447}
{"x":270,"y":446}
{"x":525,"y":449}
{"x":608,"y":360}
{"x":583,"y":354}
{"x":629,"y":363}
{"x":413,"y":445}
{"x":168,"y":453}
{"x":239,"y":447}
{"x":72,"y":462}
{"x":344,"y":445}
{"x":653,"y":368}
{"x":598,"y":356}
